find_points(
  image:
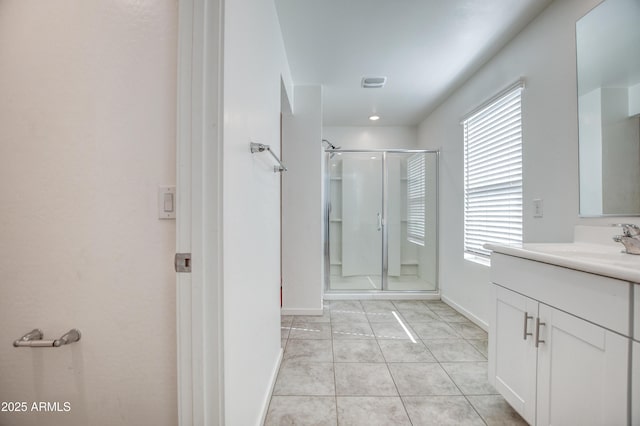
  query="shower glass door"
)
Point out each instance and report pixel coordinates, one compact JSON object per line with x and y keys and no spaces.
{"x":411,"y":213}
{"x":382,"y":228}
{"x":355,"y":221}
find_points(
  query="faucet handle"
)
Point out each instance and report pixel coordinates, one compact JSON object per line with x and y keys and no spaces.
{"x":629,"y":229}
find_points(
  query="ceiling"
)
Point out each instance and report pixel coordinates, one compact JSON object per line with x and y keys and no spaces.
{"x":426,"y":49}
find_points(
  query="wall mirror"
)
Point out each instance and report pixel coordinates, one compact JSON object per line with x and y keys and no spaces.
{"x":608,"y":69}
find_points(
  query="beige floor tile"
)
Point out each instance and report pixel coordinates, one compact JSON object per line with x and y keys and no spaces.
{"x":309,"y":350}
{"x":357,"y":351}
{"x":364,"y":379}
{"x":453,"y":350}
{"x":371,"y":411}
{"x":441,"y":411}
{"x":496,"y":411}
{"x":305,"y":379}
{"x":405,"y":351}
{"x":312,"y":330}
{"x":470,"y":377}
{"x":302,"y":410}
{"x":422,"y":379}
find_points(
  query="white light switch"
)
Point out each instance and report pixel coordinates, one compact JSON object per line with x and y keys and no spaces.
{"x":166,"y":202}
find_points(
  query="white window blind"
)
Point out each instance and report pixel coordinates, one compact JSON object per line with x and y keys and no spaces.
{"x":493,"y":174}
{"x":415,"y":198}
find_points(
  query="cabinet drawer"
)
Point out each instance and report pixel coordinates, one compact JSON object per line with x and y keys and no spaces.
{"x":601,"y":300}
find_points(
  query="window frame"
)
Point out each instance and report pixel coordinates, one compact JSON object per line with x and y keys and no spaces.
{"x":493,"y":179}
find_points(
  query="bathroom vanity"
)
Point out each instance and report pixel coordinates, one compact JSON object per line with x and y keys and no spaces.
{"x":564,"y":339}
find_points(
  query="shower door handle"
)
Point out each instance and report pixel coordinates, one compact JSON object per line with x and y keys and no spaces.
{"x":379,"y":222}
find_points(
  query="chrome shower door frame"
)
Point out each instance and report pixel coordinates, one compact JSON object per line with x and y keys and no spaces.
{"x":385,"y":207}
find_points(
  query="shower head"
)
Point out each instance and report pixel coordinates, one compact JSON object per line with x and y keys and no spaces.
{"x":332,"y":146}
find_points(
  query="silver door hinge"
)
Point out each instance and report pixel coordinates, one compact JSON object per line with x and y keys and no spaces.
{"x":182,"y":262}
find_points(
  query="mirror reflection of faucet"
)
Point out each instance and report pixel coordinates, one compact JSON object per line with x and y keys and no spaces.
{"x":630,"y":238}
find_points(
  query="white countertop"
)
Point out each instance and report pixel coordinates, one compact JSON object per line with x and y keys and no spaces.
{"x":600,"y":259}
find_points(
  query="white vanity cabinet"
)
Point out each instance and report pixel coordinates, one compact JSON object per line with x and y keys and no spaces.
{"x":512,"y":356}
{"x":559,"y":343}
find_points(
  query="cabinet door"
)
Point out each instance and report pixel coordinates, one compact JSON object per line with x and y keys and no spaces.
{"x":582,"y":372}
{"x":512,"y":355}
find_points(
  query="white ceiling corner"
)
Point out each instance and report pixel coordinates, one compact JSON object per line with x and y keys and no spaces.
{"x":426,"y":48}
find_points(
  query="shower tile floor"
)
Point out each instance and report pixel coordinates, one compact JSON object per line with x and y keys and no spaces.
{"x":379,"y":362}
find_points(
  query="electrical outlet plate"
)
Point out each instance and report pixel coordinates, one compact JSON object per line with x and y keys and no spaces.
{"x":538,"y":208}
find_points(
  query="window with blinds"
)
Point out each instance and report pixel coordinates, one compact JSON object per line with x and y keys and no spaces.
{"x":493,"y":174}
{"x":416,"y":198}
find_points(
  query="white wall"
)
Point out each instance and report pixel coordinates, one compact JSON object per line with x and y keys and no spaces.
{"x":87,"y":114}
{"x":590,"y":133}
{"x":544,"y":54}
{"x":302,"y":209}
{"x":371,"y":137}
{"x":254,"y":61}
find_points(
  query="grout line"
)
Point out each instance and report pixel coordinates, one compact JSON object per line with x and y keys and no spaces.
{"x":333,"y":359}
{"x":391,"y":375}
{"x":386,"y":361}
{"x":461,"y":392}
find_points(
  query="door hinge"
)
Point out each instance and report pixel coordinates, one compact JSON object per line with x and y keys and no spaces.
{"x":182,"y":262}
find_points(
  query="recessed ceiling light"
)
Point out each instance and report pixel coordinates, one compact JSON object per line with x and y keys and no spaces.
{"x":374,"y":117}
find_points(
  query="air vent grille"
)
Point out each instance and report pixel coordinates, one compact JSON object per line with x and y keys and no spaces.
{"x":373,"y":82}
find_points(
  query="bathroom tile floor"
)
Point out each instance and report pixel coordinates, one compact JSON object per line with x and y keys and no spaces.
{"x":374,"y":362}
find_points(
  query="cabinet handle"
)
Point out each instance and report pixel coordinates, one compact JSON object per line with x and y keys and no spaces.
{"x":526,"y":318}
{"x":538,"y":324}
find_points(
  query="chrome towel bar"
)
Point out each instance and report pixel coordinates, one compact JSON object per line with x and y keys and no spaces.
{"x":33,"y":339}
{"x":259,"y":147}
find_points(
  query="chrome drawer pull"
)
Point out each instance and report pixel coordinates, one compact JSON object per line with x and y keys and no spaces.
{"x":538,"y":324}
{"x":526,"y":318}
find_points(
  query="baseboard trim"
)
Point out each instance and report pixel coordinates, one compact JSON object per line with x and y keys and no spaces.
{"x":382,"y":295}
{"x":471,"y":317}
{"x":287,"y":311}
{"x":274,"y":376}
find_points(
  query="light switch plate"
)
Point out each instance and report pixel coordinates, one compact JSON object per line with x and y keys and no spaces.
{"x":166,"y":202}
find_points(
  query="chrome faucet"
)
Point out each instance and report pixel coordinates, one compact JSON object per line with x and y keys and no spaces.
{"x":630,"y":238}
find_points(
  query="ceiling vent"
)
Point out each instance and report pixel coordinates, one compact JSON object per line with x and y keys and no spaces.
{"x":373,"y":82}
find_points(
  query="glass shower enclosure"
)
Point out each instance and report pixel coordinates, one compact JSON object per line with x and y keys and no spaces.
{"x":381,"y":214}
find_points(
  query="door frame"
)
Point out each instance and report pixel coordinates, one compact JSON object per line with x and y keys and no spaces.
{"x":199,"y":295}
